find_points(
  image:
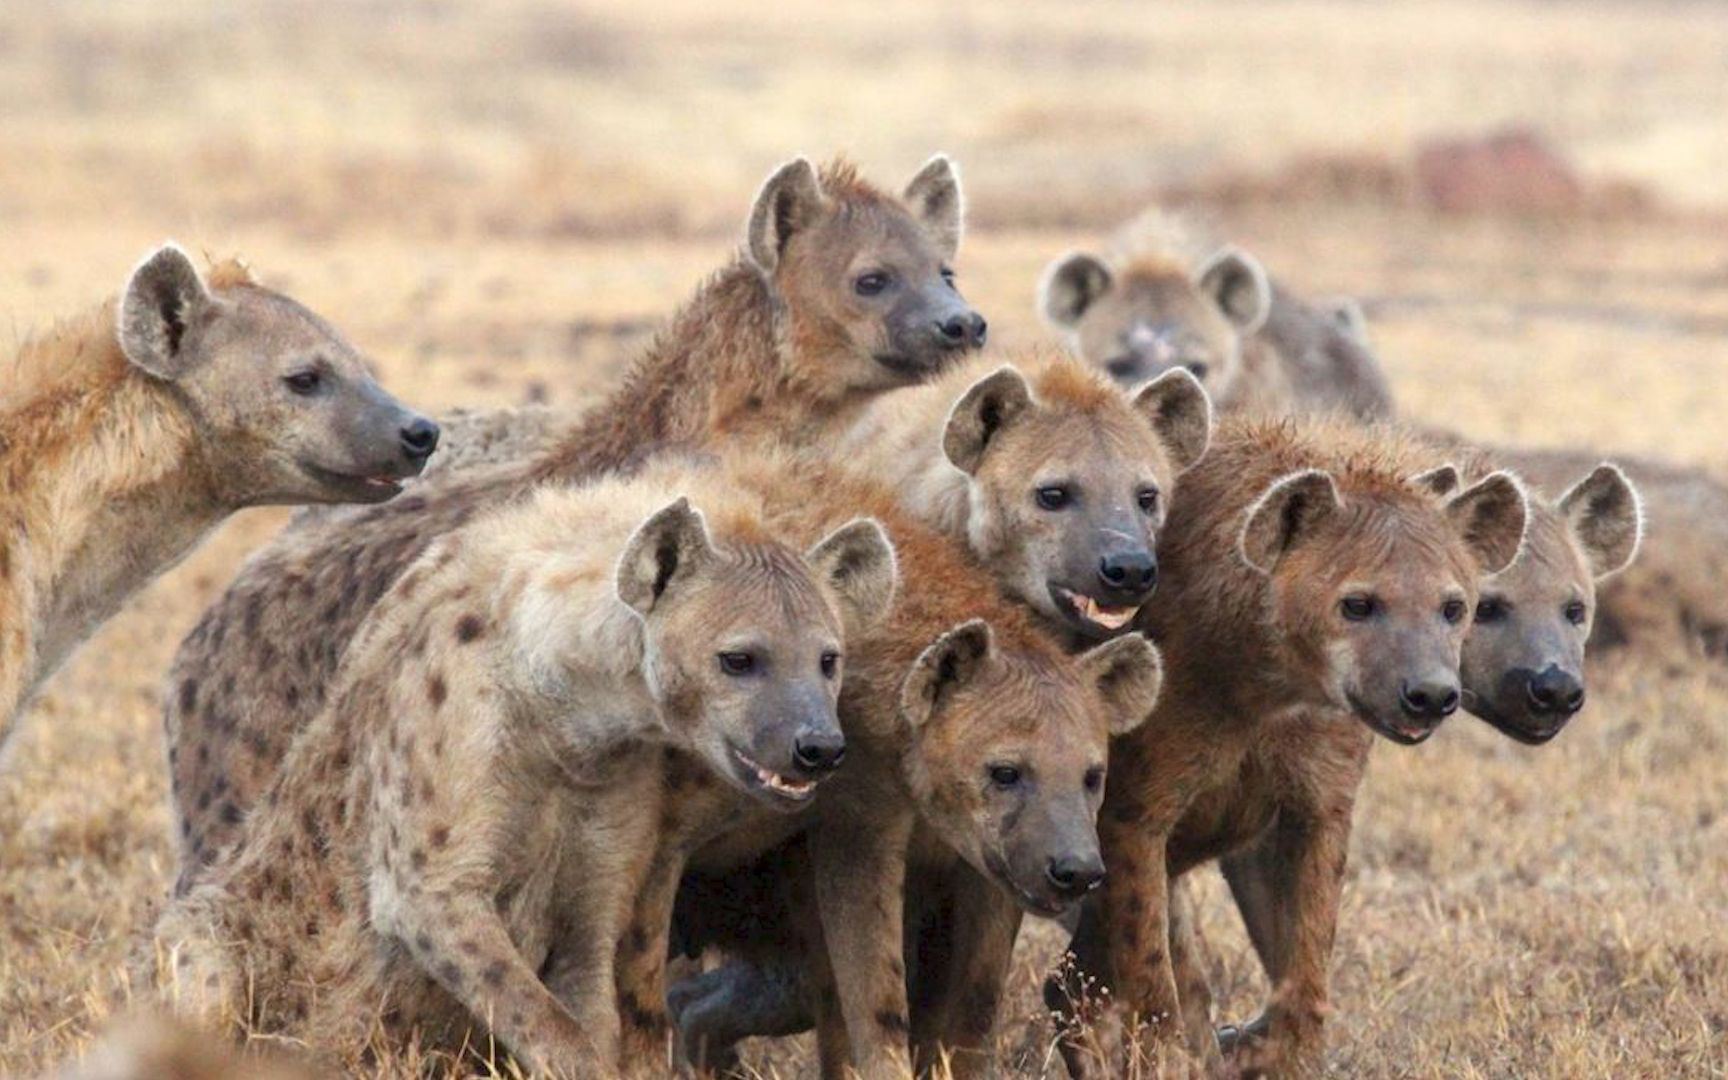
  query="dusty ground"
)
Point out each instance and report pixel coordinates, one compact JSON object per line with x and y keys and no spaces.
{"x":499,"y":203}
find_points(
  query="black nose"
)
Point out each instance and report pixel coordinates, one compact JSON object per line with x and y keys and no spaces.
{"x":819,"y":752}
{"x":1428,"y":700}
{"x":420,"y":438}
{"x":1075,"y":875}
{"x":963,"y":331}
{"x":1555,"y":692}
{"x":1128,"y":575}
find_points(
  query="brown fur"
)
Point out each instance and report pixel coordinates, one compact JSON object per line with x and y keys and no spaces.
{"x":1257,"y":657}
{"x":457,"y":837}
{"x":753,"y":355}
{"x":131,"y":431}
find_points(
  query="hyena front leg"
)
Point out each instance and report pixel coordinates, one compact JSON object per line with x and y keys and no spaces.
{"x":1193,"y":988}
{"x":958,"y":980}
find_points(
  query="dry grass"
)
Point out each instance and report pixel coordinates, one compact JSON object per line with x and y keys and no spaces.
{"x":499,"y":199}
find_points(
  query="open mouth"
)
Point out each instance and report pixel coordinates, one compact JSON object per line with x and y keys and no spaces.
{"x":772,"y":787}
{"x":1090,"y":614}
{"x":1036,"y":903}
{"x":906,"y":366}
{"x":1403,"y":731}
{"x":360,"y":487}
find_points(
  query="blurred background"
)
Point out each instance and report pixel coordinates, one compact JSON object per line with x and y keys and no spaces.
{"x":500,"y":201}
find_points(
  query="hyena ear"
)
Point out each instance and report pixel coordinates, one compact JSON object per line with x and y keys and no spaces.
{"x":790,"y":200}
{"x":1441,"y":480}
{"x":1607,"y":517}
{"x":857,"y":562}
{"x":1072,"y":284}
{"x":663,"y":550}
{"x":163,"y":300}
{"x":1180,"y":412}
{"x":1237,"y":283}
{"x":988,"y":406}
{"x":1490,"y":515}
{"x":1347,"y":315}
{"x":1286,"y":515}
{"x":949,"y":663}
{"x":1128,"y":672}
{"x":935,"y":199}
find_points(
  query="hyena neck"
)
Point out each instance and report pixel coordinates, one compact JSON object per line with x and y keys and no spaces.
{"x":110,"y":488}
{"x":719,"y":368}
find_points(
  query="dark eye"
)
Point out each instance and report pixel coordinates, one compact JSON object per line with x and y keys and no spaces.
{"x":1005,"y":776}
{"x":1054,"y":497}
{"x":1094,"y":778}
{"x":1575,"y":612}
{"x":737,"y":663}
{"x":1357,"y":608}
{"x":1490,"y":609}
{"x":1198,"y":369}
{"x":1452,"y":611}
{"x":1148,"y":500}
{"x":947,"y":277}
{"x":870,"y":284}
{"x":304,"y":382}
{"x":830,"y":664}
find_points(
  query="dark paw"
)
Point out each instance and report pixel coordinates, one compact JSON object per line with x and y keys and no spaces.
{"x":1231,"y":1036}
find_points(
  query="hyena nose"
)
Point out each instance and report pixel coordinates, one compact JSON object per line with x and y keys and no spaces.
{"x":1428,"y":699}
{"x":419,"y":439}
{"x":819,"y":752}
{"x":1555,"y":692}
{"x":963,"y":331}
{"x":1128,"y":575}
{"x":1075,"y":875}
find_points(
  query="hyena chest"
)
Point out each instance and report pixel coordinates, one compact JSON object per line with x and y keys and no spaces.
{"x":1227,"y":816}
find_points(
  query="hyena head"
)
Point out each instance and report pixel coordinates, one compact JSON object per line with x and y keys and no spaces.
{"x":1524,"y":655}
{"x":743,"y":641}
{"x":1070,"y":480}
{"x":865,"y":280}
{"x":1140,"y":320}
{"x":1009,"y":752}
{"x":1372,"y":588}
{"x":290,"y":410}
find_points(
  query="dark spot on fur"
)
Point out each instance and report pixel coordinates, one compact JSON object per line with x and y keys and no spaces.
{"x":188,"y":696}
{"x":891,"y":1020}
{"x":494,"y":973}
{"x":440,"y":836}
{"x":417,"y":859}
{"x":436,"y":690}
{"x":423,"y":943}
{"x":469,"y":627}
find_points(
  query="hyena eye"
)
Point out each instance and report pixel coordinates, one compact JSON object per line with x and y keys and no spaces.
{"x":1198,"y":369}
{"x":947,"y":277}
{"x":1054,"y":497}
{"x":1490,"y":609}
{"x":830,"y":664}
{"x":737,"y":663}
{"x":1357,"y":608}
{"x":304,"y":383}
{"x":1452,"y":611}
{"x":1148,"y":500}
{"x":1005,"y":776}
{"x":1094,"y":778}
{"x":870,"y":284}
{"x":1575,"y":612}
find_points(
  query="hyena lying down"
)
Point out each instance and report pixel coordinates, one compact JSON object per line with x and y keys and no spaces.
{"x":127,"y":435}
{"x":841,"y":291}
{"x":455,"y":841}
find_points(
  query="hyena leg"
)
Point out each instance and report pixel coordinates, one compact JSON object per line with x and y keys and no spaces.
{"x":741,"y":999}
{"x":1251,"y":874}
{"x":1305,"y":872}
{"x":1193,"y":988}
{"x":959,"y":979}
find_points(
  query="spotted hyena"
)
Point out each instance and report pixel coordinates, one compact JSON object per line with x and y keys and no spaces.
{"x":131,"y":432}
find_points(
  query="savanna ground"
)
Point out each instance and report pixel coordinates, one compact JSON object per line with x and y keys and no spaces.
{"x":499,"y":200}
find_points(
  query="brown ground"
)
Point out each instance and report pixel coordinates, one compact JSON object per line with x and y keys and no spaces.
{"x":499,"y":203}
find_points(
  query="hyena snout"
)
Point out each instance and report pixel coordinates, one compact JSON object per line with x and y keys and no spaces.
{"x":962,"y":330}
{"x":1429,"y":699}
{"x":1127,"y":575}
{"x":1076,"y":873}
{"x":1555,"y":693}
{"x":818,"y":749}
{"x":418,"y":438}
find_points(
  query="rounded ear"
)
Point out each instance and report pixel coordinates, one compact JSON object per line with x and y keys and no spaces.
{"x":663,"y":550}
{"x":935,"y":200}
{"x":1128,"y":672}
{"x":946,"y":665}
{"x":163,"y":298}
{"x":1237,"y":283}
{"x":790,"y":200}
{"x":1180,"y":412}
{"x":857,"y":562}
{"x":1072,"y":284}
{"x":1607,"y":517}
{"x":1286,"y":515}
{"x":988,"y":406}
{"x":1348,"y":316}
{"x":1490,"y":515}
{"x":1441,"y":480}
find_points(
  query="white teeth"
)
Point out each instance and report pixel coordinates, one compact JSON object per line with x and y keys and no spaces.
{"x":1108,"y":617}
{"x":783,"y":785}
